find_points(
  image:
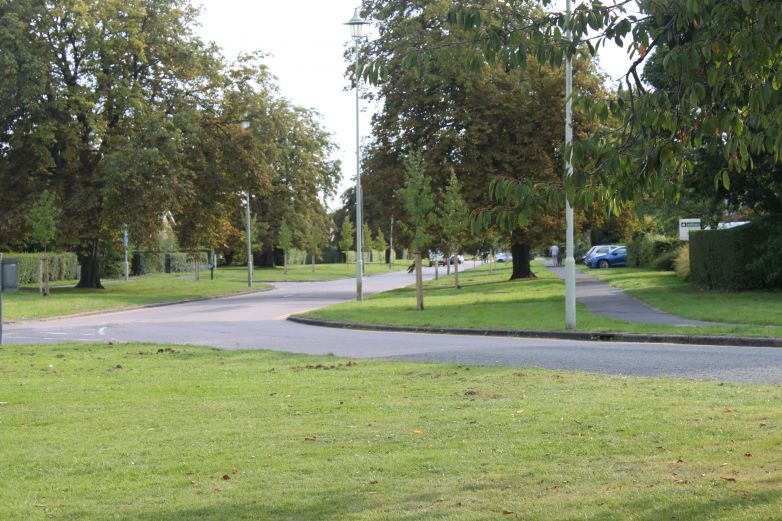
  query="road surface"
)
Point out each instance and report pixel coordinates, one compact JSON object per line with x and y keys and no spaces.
{"x":257,"y":321}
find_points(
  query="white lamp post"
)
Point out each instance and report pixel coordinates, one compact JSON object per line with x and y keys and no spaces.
{"x":245,"y":126}
{"x":570,"y":262}
{"x":356,"y":25}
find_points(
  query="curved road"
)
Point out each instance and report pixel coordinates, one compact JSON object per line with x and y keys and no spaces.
{"x":257,"y":321}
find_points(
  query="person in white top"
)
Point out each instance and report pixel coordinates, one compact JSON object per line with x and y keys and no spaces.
{"x":554,"y":254}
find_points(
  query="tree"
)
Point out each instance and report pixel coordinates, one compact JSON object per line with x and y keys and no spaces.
{"x":98,"y":101}
{"x":721,"y":58}
{"x":418,"y":201}
{"x":42,"y":220}
{"x":485,"y":127}
{"x":346,"y":240}
{"x":285,"y":241}
{"x":367,"y":239}
{"x":454,"y":221}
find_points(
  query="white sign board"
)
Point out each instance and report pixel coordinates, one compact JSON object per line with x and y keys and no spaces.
{"x":685,"y":225}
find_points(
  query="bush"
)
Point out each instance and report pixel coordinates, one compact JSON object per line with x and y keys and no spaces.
{"x":742,"y":258}
{"x":665,"y":262}
{"x":62,"y":266}
{"x":682,"y":263}
{"x":644,"y":250}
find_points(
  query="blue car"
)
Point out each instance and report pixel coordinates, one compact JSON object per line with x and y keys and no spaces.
{"x":616,"y":257}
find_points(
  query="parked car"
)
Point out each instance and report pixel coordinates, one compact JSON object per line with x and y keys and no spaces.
{"x":598,"y":249}
{"x":459,"y":258}
{"x":503,"y":257}
{"x":436,"y":256}
{"x":615,"y":257}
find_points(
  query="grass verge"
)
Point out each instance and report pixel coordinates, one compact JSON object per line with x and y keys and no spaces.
{"x":145,"y":432}
{"x":488,"y":300}
{"x":160,"y":288}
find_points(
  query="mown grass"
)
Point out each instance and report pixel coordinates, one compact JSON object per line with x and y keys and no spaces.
{"x":488,"y":300}
{"x":160,"y":288}
{"x":145,"y":432}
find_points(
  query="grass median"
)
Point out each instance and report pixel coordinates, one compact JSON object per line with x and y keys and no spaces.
{"x":488,"y":300}
{"x":160,"y":288}
{"x":145,"y":432}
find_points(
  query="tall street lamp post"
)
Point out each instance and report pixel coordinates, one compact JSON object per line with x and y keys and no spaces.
{"x":245,"y":126}
{"x":570,"y":262}
{"x":356,"y":25}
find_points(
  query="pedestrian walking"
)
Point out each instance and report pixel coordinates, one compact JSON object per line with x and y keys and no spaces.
{"x":555,"y":255}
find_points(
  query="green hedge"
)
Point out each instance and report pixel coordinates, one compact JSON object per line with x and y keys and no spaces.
{"x":62,"y":266}
{"x":645,"y":250}
{"x":742,"y":258}
{"x":144,"y":263}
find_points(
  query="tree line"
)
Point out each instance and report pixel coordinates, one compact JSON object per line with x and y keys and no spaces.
{"x":124,"y":118}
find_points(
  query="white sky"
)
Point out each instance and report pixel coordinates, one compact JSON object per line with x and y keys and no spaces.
{"x":306,"y":40}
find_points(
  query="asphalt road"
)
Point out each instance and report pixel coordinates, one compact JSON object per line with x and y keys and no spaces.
{"x":257,"y":321}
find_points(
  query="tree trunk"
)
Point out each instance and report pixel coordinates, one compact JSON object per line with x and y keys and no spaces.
{"x":419,"y":283}
{"x":521,"y":267}
{"x":313,"y":262}
{"x":456,"y":271}
{"x":268,"y":261}
{"x":89,"y":258}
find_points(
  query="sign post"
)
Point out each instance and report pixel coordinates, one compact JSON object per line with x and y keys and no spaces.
{"x":125,"y":242}
{"x":685,"y":225}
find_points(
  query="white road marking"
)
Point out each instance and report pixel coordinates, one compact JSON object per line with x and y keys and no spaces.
{"x":102,"y":331}
{"x":54,"y":333}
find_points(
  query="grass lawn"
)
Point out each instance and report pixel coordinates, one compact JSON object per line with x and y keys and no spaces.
{"x":488,"y":300}
{"x":159,"y":288}
{"x":144,"y":432}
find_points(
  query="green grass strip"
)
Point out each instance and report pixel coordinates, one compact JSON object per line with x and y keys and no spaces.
{"x":146,"y":432}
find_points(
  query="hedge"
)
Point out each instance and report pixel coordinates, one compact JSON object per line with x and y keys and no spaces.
{"x":144,"y":263}
{"x":645,"y":250}
{"x":742,"y":258}
{"x":62,"y":266}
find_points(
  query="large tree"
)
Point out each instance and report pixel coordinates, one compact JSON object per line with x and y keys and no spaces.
{"x":501,"y":124}
{"x":95,"y":105}
{"x":721,"y":59}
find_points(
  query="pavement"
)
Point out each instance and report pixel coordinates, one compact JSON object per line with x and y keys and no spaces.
{"x":606,"y":300}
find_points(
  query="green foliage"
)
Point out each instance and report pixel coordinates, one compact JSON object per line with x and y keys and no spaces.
{"x":380,"y":243}
{"x":418,"y":201}
{"x":62,"y":266}
{"x":347,"y":235}
{"x":454,"y":215}
{"x":723,"y":98}
{"x":666,"y":261}
{"x":682,"y":263}
{"x":42,"y":219}
{"x":644,"y":250}
{"x":144,"y":263}
{"x":285,"y":238}
{"x":742,"y":258}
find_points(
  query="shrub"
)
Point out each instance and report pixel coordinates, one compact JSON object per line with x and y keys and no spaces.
{"x":665,"y":262}
{"x":742,"y":258}
{"x":644,"y":250}
{"x":682,"y":263}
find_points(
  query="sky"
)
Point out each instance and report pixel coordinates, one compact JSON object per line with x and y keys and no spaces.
{"x":305,"y":41}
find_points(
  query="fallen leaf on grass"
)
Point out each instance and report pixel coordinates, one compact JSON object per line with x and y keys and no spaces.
{"x":226,"y":477}
{"x":748,"y":454}
{"x":418,"y":432}
{"x":729,"y":478}
{"x":680,"y":481}
{"x":507,"y":512}
{"x":310,"y":438}
{"x":234,"y":470}
{"x":373,"y":482}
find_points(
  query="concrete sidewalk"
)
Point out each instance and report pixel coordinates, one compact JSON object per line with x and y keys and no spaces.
{"x":606,"y":300}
